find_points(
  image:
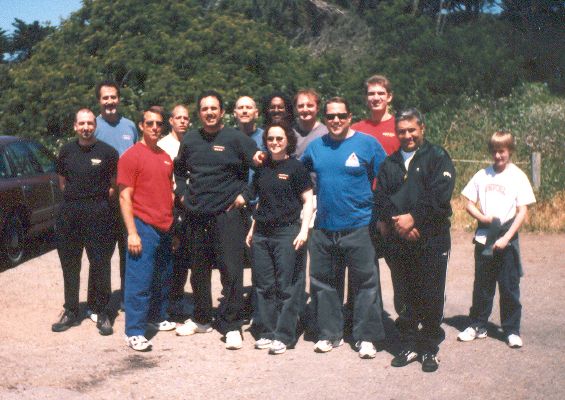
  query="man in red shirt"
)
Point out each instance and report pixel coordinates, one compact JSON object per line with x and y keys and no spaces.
{"x":146,"y":200}
{"x":380,"y":124}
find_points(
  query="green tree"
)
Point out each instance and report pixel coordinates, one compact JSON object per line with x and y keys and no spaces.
{"x":25,"y":37}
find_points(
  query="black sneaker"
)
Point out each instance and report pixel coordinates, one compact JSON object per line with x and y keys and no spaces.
{"x":68,"y":319}
{"x":104,"y":325}
{"x":430,"y":363}
{"x":404,"y":358}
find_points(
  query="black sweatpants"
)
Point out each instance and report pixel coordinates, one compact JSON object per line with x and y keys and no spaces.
{"x":86,"y":224}
{"x":418,"y":274}
{"x":217,"y":240}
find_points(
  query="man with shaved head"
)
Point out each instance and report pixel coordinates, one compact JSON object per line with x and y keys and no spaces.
{"x":87,"y":169}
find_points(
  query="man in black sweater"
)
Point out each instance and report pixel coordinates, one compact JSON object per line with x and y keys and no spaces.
{"x":412,"y":208}
{"x":217,"y":159}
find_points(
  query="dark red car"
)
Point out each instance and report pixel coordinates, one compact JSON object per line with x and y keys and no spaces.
{"x":29,"y":194}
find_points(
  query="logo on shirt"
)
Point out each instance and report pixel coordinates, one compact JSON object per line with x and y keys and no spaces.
{"x":352,"y":161}
{"x":126,"y":137}
{"x":284,"y":177}
{"x":389,"y":134}
{"x":167,"y":162}
{"x":95,"y":161}
{"x":218,"y":148}
{"x":446,"y":173}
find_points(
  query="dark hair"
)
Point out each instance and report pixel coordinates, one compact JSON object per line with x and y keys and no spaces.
{"x":289,"y":133}
{"x":106,"y":83}
{"x":309,"y":93}
{"x":210,"y":93}
{"x":153,"y":109}
{"x":410,"y":114}
{"x":339,"y":100}
{"x":287,"y":106}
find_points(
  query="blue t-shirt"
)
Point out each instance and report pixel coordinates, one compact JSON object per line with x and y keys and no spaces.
{"x":344,"y":173}
{"x":121,"y":135}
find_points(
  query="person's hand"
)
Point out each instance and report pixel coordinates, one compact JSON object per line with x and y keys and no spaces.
{"x":249,"y":239}
{"x":134,"y":244}
{"x":487,"y":219}
{"x":412,"y":236}
{"x":239,"y":202}
{"x":259,"y":157}
{"x":300,"y":239}
{"x":383,"y":228}
{"x":500,"y":244}
{"x":403,"y":224}
{"x":175,"y":243}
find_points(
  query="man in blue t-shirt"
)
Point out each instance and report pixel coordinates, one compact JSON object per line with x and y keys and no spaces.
{"x":120,"y":133}
{"x":345,"y":163}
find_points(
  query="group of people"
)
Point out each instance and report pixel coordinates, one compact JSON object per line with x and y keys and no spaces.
{"x":302,"y":195}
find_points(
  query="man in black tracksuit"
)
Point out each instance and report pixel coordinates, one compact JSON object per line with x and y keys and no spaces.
{"x":412,"y":208}
{"x":218,"y":160}
{"x":87,"y":170}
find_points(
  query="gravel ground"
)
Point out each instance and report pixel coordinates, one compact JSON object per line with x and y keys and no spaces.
{"x":36,"y":363}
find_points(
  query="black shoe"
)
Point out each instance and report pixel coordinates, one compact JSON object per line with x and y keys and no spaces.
{"x":68,"y":319}
{"x":104,"y":325}
{"x":404,"y":358}
{"x":430,"y":363}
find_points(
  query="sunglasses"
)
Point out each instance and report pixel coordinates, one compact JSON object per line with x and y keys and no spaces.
{"x":153,"y":123}
{"x":273,"y":138}
{"x":331,"y":117}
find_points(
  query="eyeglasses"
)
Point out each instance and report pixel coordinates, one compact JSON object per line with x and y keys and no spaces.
{"x":152,"y":123}
{"x":331,"y":117}
{"x":273,"y":138}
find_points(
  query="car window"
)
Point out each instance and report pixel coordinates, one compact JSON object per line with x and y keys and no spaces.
{"x":22,"y":159}
{"x":42,"y":156}
{"x":4,"y":167}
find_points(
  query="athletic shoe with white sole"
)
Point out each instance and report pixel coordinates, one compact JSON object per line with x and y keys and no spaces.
{"x":277,"y":347}
{"x":514,"y":341}
{"x":430,"y":362}
{"x":139,"y":343}
{"x":190,"y":327}
{"x":92,"y":315}
{"x":165,"y":325}
{"x":234,"y":341}
{"x":366,"y":349}
{"x":323,"y":346}
{"x":263,"y":344}
{"x":404,"y":358}
{"x":472,"y":333}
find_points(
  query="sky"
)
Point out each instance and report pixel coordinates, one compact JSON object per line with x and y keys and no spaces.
{"x":35,"y":10}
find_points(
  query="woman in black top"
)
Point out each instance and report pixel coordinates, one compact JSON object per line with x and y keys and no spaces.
{"x":278,"y":236}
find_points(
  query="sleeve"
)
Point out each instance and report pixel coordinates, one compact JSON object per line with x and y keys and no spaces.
{"x":113,"y":161}
{"x":471,"y":190}
{"x":181,"y":169}
{"x":307,"y":158}
{"x":248,"y":148}
{"x":525,"y":192}
{"x":127,"y":170}
{"x":434,"y":204}
{"x":60,"y":162}
{"x":301,"y":180}
{"x":384,"y":209}
{"x":378,"y":158}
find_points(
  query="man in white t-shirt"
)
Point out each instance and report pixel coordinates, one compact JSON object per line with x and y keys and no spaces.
{"x":503,"y":194}
{"x":179,"y":122}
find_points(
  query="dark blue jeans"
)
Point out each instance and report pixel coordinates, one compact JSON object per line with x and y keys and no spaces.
{"x":358,"y":254}
{"x":148,"y":279}
{"x":503,"y":268}
{"x":278,"y":273}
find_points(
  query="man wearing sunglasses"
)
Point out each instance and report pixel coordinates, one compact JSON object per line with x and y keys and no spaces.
{"x":217,"y":159}
{"x":345,"y":163}
{"x":146,"y":200}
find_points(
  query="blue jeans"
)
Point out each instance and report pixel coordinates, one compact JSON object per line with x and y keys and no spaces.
{"x":278,"y":273}
{"x":355,"y":248}
{"x":148,"y":278}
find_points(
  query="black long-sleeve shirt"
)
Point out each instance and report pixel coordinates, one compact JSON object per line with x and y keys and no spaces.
{"x":217,"y":165}
{"x":424,"y":191}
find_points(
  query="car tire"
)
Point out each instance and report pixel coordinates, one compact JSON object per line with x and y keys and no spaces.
{"x":13,"y":239}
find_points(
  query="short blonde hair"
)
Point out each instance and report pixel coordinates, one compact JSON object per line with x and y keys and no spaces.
{"x":502,"y":139}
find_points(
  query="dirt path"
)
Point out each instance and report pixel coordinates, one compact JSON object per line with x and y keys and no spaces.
{"x":38,"y":364}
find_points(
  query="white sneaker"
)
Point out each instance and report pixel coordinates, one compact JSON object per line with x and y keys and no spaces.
{"x":472,"y":333}
{"x":234,"y":341}
{"x":93,"y":316}
{"x":323,"y":346}
{"x":277,"y":347}
{"x":263,"y":343}
{"x":166,"y":325}
{"x":190,"y":327}
{"x":514,"y":341}
{"x":139,"y":343}
{"x":366,"y":349}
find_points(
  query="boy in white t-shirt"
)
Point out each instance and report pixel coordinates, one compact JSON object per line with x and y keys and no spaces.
{"x":503,"y":193}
